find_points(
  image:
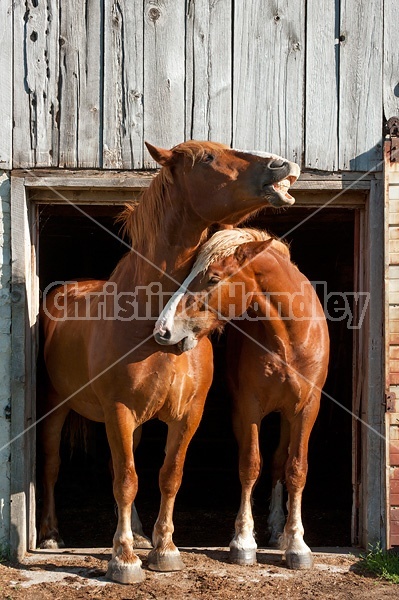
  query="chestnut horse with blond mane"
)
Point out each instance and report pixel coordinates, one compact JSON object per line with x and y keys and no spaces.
{"x":108,"y":368}
{"x":277,"y":360}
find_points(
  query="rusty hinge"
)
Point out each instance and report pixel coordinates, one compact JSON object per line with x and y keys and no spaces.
{"x":390,"y":402}
{"x":393,"y":131}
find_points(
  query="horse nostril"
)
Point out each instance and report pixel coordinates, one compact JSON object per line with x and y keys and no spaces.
{"x":163,"y":336}
{"x":277,"y":163}
{"x":166,"y":334}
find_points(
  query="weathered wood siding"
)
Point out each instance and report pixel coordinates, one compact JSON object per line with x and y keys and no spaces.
{"x":6,"y":83}
{"x":94,"y":78}
{"x":5,"y":357}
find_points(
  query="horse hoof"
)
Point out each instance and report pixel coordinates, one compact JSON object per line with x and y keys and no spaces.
{"x":297,"y":560}
{"x":274,"y":541}
{"x":141,"y":541}
{"x":51,"y":544}
{"x":165,"y":562}
{"x":239,"y":556}
{"x":125,"y":572}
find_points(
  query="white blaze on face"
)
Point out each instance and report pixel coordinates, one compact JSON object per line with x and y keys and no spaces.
{"x":222,"y":244}
{"x":261,"y":154}
{"x":165,"y":321}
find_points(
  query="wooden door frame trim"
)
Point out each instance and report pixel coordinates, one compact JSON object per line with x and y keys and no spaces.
{"x":24,"y":196}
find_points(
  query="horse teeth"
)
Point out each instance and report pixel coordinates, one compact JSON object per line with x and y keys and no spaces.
{"x":282,"y":185}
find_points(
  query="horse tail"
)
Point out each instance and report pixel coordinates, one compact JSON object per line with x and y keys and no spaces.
{"x":76,"y":432}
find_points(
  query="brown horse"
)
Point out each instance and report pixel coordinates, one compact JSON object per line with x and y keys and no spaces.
{"x":277,"y":360}
{"x":100,"y":355}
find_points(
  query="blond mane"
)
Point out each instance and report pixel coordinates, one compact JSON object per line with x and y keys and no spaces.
{"x":225,"y":242}
{"x":222,"y":244}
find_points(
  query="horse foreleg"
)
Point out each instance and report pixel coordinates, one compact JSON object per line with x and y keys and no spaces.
{"x":140,"y":540}
{"x":243,"y":545}
{"x":125,"y":566}
{"x":50,"y":437}
{"x":276,"y":519}
{"x":298,"y":555}
{"x":165,"y":556}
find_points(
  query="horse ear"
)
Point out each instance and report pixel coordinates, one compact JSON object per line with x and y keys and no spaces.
{"x":249,"y":250}
{"x":161,"y":155}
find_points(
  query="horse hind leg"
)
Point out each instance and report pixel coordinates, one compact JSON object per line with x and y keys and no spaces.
{"x":276,"y":519}
{"x":50,"y":437}
{"x":140,"y":540}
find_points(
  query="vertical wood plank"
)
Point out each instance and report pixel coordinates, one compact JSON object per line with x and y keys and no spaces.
{"x":208,"y":70}
{"x":24,"y":339}
{"x":123,"y":84}
{"x":36,"y":83}
{"x":360,"y":121}
{"x":6,"y":57}
{"x":164,"y":72}
{"x":268,"y":86}
{"x":5,"y":352}
{"x":322,"y":53}
{"x":81,"y":76}
{"x":358,"y":385}
{"x":391,"y":60}
{"x":18,"y":447}
{"x":375,"y":458}
{"x":32,"y":349}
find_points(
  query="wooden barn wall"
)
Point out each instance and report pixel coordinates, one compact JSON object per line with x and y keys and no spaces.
{"x":94,"y":78}
{"x":6,"y":83}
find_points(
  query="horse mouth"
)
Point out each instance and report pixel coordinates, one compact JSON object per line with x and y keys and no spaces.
{"x":187,"y":343}
{"x":280,"y":195}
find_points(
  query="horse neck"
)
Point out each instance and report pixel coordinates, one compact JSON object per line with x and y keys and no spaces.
{"x":274,"y":312}
{"x":167,"y":255}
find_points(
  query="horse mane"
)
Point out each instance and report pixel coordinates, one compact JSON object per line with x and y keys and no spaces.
{"x":225,"y":242}
{"x":141,"y":220}
{"x":197,"y":150}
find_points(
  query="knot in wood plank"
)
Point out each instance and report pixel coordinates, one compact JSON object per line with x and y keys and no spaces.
{"x":154,"y":13}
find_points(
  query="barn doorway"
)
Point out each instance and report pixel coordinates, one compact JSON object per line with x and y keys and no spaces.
{"x":73,"y":246}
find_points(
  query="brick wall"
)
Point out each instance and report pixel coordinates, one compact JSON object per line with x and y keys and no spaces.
{"x":393,"y":348}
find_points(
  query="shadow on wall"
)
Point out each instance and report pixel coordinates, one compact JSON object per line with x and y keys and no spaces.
{"x":369,"y":161}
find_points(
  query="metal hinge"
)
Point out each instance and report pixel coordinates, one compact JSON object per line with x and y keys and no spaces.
{"x":392,"y":129}
{"x":390,"y":402}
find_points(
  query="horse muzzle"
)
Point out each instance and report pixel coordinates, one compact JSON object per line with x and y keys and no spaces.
{"x":286,"y":175}
{"x":183,"y":341}
{"x":163,"y":337}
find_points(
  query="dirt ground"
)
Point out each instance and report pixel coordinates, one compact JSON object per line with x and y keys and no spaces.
{"x":79,"y":574}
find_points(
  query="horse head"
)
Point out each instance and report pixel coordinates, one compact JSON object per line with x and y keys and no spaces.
{"x":209,"y":297}
{"x":224,"y":185}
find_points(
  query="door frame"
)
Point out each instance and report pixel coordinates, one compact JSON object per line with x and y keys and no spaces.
{"x":362,"y":192}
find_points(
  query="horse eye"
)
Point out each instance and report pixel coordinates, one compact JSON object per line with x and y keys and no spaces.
{"x":214,"y":279}
{"x":208,"y":158}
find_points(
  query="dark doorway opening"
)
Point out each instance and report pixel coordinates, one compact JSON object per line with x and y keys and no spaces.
{"x":73,"y":247}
